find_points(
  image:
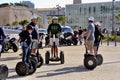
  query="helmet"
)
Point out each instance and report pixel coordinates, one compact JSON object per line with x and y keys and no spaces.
{"x":29,"y":27}
{"x":54,"y":18}
{"x":33,"y":17}
{"x":97,"y":23}
{"x":91,"y":18}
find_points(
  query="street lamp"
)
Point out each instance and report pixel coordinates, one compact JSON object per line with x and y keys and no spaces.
{"x":113,"y":14}
{"x":58,"y":8}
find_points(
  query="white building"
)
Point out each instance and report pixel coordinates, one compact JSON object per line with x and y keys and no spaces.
{"x":77,"y":14}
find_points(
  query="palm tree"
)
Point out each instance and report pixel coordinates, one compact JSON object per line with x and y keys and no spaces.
{"x":39,"y":21}
{"x":62,"y":20}
{"x":15,"y":23}
{"x":23,"y":23}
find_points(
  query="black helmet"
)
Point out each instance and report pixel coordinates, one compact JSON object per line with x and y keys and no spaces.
{"x":29,"y":27}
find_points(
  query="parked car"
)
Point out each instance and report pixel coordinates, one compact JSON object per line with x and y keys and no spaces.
{"x":42,"y":31}
{"x":43,"y":34}
{"x":66,"y":36}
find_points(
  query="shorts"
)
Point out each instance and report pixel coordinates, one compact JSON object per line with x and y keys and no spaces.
{"x":96,"y":44}
{"x":90,"y":44}
{"x":35,"y":44}
{"x":56,"y":41}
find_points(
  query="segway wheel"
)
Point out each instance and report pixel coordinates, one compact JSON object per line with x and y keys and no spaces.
{"x":40,"y":62}
{"x":21,"y":69}
{"x":15,"y":48}
{"x":62,"y":57}
{"x":90,"y":62}
{"x":99,"y":59}
{"x":47,"y":57}
{"x":3,"y":72}
{"x":32,"y":66}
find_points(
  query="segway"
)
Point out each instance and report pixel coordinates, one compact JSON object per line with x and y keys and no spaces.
{"x":99,"y":56}
{"x":90,"y":61}
{"x":3,"y":72}
{"x":47,"y":55}
{"x":38,"y":58}
{"x":26,"y":68}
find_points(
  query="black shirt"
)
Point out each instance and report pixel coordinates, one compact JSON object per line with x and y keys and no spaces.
{"x":80,"y":32}
{"x":25,"y":37}
{"x":34,"y":32}
{"x":97,"y":35}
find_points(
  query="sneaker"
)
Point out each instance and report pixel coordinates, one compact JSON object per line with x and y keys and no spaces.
{"x":20,"y":54}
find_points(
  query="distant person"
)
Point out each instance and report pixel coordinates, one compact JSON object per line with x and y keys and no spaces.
{"x":2,"y":36}
{"x":35,"y":34}
{"x":90,"y":36}
{"x":54,"y":29}
{"x":97,"y":34}
{"x":80,"y":35}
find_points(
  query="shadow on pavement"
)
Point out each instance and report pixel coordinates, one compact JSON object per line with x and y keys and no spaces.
{"x":9,"y":58}
{"x":66,"y":70}
{"x":13,"y":76}
{"x":112,"y":62}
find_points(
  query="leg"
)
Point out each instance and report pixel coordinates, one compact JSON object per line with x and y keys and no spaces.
{"x":52,"y":48}
{"x":95,"y":50}
{"x":0,"y":50}
{"x":56,"y":48}
{"x":90,"y":47}
{"x":25,"y":51}
{"x":34,"y":47}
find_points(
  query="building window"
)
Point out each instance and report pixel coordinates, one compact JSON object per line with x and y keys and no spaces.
{"x":80,"y":10}
{"x":94,"y":9}
{"x":89,"y":10}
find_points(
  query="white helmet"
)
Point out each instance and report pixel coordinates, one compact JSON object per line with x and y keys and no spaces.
{"x":91,"y":18}
{"x":98,"y":24}
{"x":54,"y":17}
{"x":33,"y":17}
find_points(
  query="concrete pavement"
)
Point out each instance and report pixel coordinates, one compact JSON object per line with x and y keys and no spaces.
{"x":73,"y":69}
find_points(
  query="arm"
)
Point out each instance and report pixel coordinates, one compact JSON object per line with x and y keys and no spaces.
{"x":88,"y":35}
{"x":2,"y":33}
{"x":48,"y":30}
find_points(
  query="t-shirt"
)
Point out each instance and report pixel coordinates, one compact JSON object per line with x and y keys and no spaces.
{"x":54,"y":28}
{"x":97,"y":34}
{"x":80,"y":32}
{"x":35,"y":32}
{"x":25,"y":37}
{"x":92,"y":28}
{"x":2,"y":35}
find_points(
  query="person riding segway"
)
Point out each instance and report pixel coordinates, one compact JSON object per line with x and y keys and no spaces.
{"x":54,"y":30}
{"x":98,"y":37}
{"x":3,"y":68}
{"x":35,"y":42}
{"x":90,"y":61}
{"x":28,"y":65}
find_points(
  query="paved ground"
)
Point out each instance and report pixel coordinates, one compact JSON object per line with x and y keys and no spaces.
{"x":73,"y":69}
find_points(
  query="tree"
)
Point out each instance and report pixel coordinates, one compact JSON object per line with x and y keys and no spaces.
{"x":8,"y":24}
{"x":62,"y":20}
{"x":23,"y":23}
{"x":39,"y":21}
{"x":15,"y":23}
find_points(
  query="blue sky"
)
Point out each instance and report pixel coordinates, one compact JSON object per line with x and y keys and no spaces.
{"x":52,"y":3}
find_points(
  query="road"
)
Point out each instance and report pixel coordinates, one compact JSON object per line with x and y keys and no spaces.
{"x":73,"y":69}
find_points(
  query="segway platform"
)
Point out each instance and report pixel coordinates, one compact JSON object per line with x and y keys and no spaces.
{"x":54,"y":59}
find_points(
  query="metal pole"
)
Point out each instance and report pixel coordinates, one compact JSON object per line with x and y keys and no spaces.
{"x":113,"y":22}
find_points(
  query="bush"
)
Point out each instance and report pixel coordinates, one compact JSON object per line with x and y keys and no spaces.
{"x":112,"y":38}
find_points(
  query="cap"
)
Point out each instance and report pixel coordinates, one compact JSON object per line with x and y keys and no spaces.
{"x":91,"y":18}
{"x":97,"y":23}
{"x":29,"y":27}
{"x":33,"y":17}
{"x":54,"y":17}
